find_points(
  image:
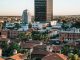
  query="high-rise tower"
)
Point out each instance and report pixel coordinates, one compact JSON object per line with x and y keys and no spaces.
{"x":43,"y":10}
{"x":26,"y":17}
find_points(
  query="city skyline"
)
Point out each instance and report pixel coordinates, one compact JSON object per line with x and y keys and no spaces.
{"x":60,"y":7}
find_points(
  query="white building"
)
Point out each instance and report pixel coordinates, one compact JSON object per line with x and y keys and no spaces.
{"x":26,"y":17}
{"x":23,"y":28}
{"x":10,"y":25}
{"x":37,"y":25}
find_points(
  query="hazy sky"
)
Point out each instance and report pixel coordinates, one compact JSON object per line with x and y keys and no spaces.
{"x":61,"y":7}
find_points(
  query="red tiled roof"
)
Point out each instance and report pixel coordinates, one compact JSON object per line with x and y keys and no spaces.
{"x":18,"y":56}
{"x":35,"y":42}
{"x":62,"y":56}
{"x":30,"y":44}
{"x":1,"y":59}
{"x":55,"y":56}
{"x":43,"y":47}
{"x":40,"y":50}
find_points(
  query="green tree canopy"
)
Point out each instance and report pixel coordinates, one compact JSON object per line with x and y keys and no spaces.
{"x":30,"y":25}
{"x":76,"y":24}
{"x":17,"y":25}
{"x":42,"y":36}
{"x":12,"y":47}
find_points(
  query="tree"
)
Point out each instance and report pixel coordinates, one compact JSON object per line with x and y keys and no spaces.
{"x":49,"y":25}
{"x":64,"y":26}
{"x":17,"y":25}
{"x":25,"y":36}
{"x":65,"y":50}
{"x":54,"y":36}
{"x":25,"y":52}
{"x":30,"y":25}
{"x":70,"y":55}
{"x":76,"y":57}
{"x":41,"y":36}
{"x":28,"y":35}
{"x":73,"y":57}
{"x":12,"y":47}
{"x":76,"y":24}
{"x":4,"y":47}
{"x":21,"y":36}
{"x":76,"y":51}
{"x":35,"y":35}
{"x":4,"y":25}
{"x":64,"y":21}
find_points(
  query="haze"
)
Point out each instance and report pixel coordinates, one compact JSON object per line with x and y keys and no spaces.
{"x":61,"y":7}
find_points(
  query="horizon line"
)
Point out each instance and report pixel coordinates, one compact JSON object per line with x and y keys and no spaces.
{"x":53,"y":15}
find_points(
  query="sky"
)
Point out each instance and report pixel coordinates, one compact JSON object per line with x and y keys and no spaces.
{"x":60,"y":7}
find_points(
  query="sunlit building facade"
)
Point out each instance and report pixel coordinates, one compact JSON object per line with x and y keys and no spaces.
{"x":43,"y":10}
{"x":26,"y":17}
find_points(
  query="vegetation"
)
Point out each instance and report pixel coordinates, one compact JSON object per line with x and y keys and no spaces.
{"x":73,"y":57}
{"x":34,"y":35}
{"x":49,"y":25}
{"x":9,"y":49}
{"x":24,"y":36}
{"x":64,"y":25}
{"x":30,"y":25}
{"x":4,"y":24}
{"x":21,"y":36}
{"x":71,"y":52}
{"x":12,"y":47}
{"x":54,"y":36}
{"x":76,"y":24}
{"x":17,"y":25}
{"x":42,"y":36}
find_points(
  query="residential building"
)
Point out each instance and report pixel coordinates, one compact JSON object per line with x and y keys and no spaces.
{"x":72,"y":35}
{"x":40,"y":51}
{"x":4,"y":33}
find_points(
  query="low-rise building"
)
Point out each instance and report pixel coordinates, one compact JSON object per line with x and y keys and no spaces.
{"x":40,"y":51}
{"x":71,"y":35}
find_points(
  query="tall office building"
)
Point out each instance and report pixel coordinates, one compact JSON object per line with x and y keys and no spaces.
{"x":26,"y":17}
{"x":43,"y":10}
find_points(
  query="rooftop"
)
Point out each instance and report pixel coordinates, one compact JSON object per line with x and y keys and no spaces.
{"x":18,"y":56}
{"x":55,"y":56}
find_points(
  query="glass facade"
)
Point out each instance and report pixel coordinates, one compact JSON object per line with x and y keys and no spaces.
{"x":43,"y":10}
